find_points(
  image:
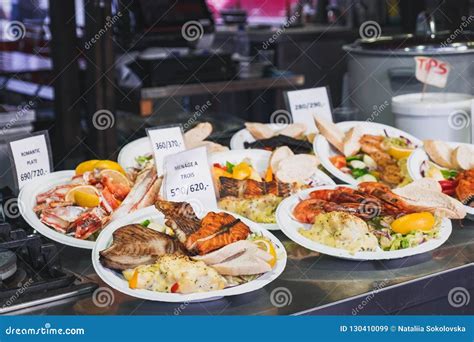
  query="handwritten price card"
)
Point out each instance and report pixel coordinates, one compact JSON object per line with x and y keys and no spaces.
{"x":188,"y":178}
{"x":165,"y":141}
{"x":307,"y":104}
{"x":31,"y":157}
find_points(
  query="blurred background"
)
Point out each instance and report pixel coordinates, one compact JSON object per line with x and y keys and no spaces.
{"x":95,"y":73}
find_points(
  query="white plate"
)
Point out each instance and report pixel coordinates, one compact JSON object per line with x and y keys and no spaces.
{"x":238,"y":140}
{"x":290,"y":227}
{"x":260,"y":160}
{"x":325,"y":151}
{"x":132,"y":150}
{"x":414,"y":168}
{"x":27,"y":201}
{"x":118,"y":282}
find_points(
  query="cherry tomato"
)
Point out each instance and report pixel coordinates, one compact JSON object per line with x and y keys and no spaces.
{"x":338,"y":161}
{"x":174,"y":288}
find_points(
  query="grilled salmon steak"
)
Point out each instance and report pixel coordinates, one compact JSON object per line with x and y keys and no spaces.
{"x":252,"y":188}
{"x":214,"y":231}
{"x":217,"y":230}
{"x":134,"y":245}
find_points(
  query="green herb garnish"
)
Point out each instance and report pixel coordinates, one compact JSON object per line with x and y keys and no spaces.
{"x":229,"y":166}
{"x":142,"y":159}
{"x":356,"y":173}
{"x":145,"y":223}
{"x":449,"y":174}
{"x":356,"y":157}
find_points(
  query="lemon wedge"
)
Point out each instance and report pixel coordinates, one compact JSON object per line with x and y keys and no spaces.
{"x":399,"y":152}
{"x":109,"y":165}
{"x":418,"y":221}
{"x":268,"y":247}
{"x":86,"y":166}
{"x":83,"y":199}
{"x":115,"y":176}
{"x":87,"y":189}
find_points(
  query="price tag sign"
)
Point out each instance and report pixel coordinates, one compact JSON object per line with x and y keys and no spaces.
{"x":432,"y":71}
{"x":165,"y":141}
{"x":188,"y":178}
{"x":307,"y":104}
{"x":31,"y":157}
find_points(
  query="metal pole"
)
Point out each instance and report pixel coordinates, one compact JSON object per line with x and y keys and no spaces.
{"x":67,"y":131}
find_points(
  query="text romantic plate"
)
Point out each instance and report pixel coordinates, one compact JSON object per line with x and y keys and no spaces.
{"x":118,"y":282}
{"x":290,"y":227}
{"x":132,"y":150}
{"x":260,"y":160}
{"x":238,"y":140}
{"x":415,"y":161}
{"x":325,"y":150}
{"x":27,"y":201}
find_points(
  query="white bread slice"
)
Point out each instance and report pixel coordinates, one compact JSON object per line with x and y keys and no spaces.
{"x":463,"y":157}
{"x":439,"y":152}
{"x":351,"y":141}
{"x":279,"y":154}
{"x":432,"y":201}
{"x":331,"y":132}
{"x":426,"y":183}
{"x":197,"y":134}
{"x":212,"y":147}
{"x":297,"y":168}
{"x":294,"y":130}
{"x":259,"y":130}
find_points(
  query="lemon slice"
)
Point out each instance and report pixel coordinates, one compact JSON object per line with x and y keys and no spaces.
{"x":86,"y":166}
{"x":399,"y":152}
{"x":115,"y":176}
{"x":88,"y":189}
{"x":268,"y":247}
{"x":84,"y":199}
{"x":109,"y":165}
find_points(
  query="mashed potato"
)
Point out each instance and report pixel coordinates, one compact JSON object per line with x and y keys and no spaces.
{"x":342,"y":230}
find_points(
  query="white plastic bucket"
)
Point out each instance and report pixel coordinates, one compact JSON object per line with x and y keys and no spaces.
{"x":439,"y":116}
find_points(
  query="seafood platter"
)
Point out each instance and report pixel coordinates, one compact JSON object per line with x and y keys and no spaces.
{"x":397,"y":199}
{"x":167,"y":253}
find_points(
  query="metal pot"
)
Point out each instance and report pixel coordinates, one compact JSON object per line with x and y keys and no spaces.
{"x":379,"y":69}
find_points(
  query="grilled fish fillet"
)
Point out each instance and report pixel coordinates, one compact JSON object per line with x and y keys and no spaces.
{"x":180,"y":217}
{"x":135,"y":245}
{"x":251,"y":188}
{"x":238,"y":259}
{"x":246,"y":264}
{"x":217,"y":230}
{"x":232,"y":251}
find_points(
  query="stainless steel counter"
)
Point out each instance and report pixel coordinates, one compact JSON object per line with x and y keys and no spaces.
{"x":310,"y":281}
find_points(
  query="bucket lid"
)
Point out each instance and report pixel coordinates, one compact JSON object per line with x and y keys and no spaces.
{"x":409,"y":44}
{"x":431,"y":103}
